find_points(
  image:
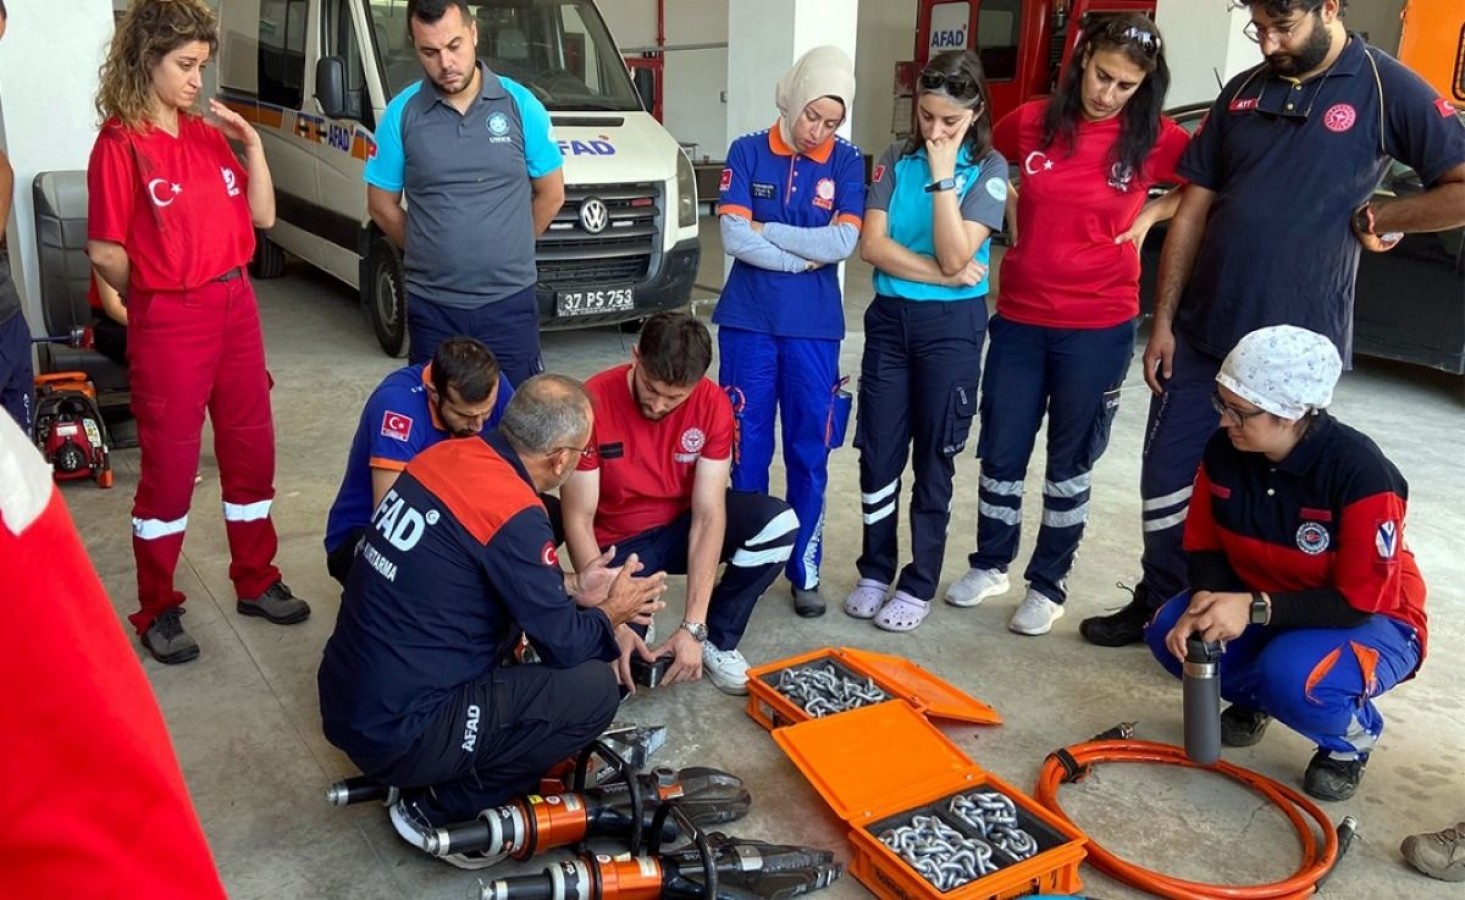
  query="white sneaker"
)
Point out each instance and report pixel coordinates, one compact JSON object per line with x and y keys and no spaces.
{"x":977,"y":585}
{"x":726,"y":669}
{"x":1035,"y":615}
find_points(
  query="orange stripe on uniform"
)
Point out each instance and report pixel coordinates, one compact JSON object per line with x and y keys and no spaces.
{"x":729,"y":209}
{"x":381,"y":462}
{"x":1368,"y":664}
{"x":850,"y":219}
{"x":1319,"y":672}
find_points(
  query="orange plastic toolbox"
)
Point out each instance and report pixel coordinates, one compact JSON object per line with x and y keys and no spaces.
{"x":881,"y":766}
{"x":894,"y":676}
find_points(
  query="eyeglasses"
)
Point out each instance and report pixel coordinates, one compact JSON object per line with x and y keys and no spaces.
{"x":585,"y":452}
{"x":1256,"y":33}
{"x":957,"y":84}
{"x":1238,"y":417}
{"x":1147,"y":41}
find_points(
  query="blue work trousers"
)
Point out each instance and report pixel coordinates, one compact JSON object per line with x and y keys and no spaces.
{"x":756,"y":544}
{"x":918,"y":394}
{"x":799,"y":378}
{"x":17,"y":377}
{"x":510,"y":328}
{"x":1181,"y":421}
{"x":1320,"y":682}
{"x":1074,"y":375}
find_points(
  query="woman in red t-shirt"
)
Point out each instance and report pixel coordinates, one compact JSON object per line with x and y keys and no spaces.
{"x":171,"y":218}
{"x":1063,"y":334}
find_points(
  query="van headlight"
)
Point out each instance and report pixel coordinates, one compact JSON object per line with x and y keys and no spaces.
{"x":686,"y":192}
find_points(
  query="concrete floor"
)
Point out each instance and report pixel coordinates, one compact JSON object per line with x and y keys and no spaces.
{"x":245,"y":722}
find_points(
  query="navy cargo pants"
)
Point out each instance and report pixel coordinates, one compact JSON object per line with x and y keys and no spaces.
{"x":918,"y":393}
{"x":1074,"y":376}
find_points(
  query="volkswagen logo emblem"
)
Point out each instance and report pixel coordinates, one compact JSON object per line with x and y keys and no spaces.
{"x":593,"y":215}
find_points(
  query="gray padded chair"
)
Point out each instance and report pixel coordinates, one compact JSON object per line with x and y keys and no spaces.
{"x":60,"y":199}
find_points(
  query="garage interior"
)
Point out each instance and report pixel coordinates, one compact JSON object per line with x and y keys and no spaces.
{"x":244,"y":718}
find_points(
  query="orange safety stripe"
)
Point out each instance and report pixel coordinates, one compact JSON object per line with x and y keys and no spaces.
{"x":1368,"y":664}
{"x":381,"y":462}
{"x":1320,"y":671}
{"x":732,"y":209}
{"x":850,"y":219}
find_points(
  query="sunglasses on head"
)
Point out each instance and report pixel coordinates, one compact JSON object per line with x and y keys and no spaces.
{"x":957,"y":85}
{"x":1147,"y":41}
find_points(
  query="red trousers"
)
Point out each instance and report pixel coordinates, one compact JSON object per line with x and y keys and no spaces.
{"x":95,"y":805}
{"x":190,"y":352}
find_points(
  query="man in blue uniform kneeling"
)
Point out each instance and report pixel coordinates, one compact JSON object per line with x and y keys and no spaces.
{"x":458,"y":563}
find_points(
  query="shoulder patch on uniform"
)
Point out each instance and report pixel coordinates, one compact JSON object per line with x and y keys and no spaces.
{"x":396,"y":426}
{"x":878,"y":175}
{"x":1386,"y":540}
{"x":997,"y":188}
{"x":726,"y":181}
{"x":1445,"y":107}
{"x":549,"y":556}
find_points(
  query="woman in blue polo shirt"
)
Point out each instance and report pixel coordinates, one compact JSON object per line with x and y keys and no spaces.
{"x":792,"y":197}
{"x":934,"y":201}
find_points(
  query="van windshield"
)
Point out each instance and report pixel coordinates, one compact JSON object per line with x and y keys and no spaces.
{"x":559,"y":49}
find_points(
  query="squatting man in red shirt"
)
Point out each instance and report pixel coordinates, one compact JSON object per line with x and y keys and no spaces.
{"x":654,"y":482}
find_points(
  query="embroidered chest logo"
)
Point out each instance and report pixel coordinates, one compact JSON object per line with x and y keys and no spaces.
{"x":1037,"y":162}
{"x":163,"y":192}
{"x":1312,"y":538}
{"x":824,"y":193}
{"x":1340,"y":118}
{"x":498,"y":128}
{"x":1240,"y":106}
{"x":396,"y":426}
{"x":764,"y":191}
{"x":1121,"y":177}
{"x":231,"y":181}
{"x":1387,"y":540}
{"x":692,"y":442}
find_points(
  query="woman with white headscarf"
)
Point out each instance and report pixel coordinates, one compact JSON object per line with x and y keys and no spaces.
{"x":1298,"y":562}
{"x":791,"y":205}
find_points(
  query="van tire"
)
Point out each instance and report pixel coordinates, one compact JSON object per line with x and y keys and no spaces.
{"x":385,"y":297}
{"x":269,"y":259}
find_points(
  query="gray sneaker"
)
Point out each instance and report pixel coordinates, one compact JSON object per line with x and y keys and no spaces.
{"x":977,"y":585}
{"x":1439,"y":855}
{"x":277,"y":604}
{"x":166,"y":640}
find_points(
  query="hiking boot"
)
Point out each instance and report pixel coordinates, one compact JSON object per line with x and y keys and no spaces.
{"x":1439,"y":855}
{"x":1035,"y":615}
{"x":809,"y":602}
{"x":277,"y":604}
{"x":1119,"y":629}
{"x":977,"y":585}
{"x":166,"y":640}
{"x":726,"y":669}
{"x":1243,"y":727}
{"x":1328,"y":778}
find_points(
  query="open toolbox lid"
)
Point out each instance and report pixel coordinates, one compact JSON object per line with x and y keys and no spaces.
{"x":844,"y":757}
{"x":937,"y":696}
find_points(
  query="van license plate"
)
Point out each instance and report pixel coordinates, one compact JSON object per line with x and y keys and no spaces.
{"x":594,"y":302}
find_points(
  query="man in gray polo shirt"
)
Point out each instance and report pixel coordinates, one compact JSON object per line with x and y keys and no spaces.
{"x":473,"y":152}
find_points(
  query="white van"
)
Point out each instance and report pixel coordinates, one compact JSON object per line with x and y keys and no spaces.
{"x":314,"y":76}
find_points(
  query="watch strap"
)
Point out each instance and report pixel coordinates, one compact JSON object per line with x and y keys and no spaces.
{"x":945,"y":184}
{"x":1261,"y":610}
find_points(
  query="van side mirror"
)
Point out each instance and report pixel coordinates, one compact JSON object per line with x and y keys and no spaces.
{"x":330,"y":86}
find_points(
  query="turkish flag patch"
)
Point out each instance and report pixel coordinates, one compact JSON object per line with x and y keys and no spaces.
{"x":1445,"y":107}
{"x":878,"y":175}
{"x":396,"y":426}
{"x":548,"y":555}
{"x":725,"y":181}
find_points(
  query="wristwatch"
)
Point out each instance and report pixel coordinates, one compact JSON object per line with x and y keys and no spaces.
{"x":945,"y":184}
{"x":696,"y":630}
{"x":1261,"y":610}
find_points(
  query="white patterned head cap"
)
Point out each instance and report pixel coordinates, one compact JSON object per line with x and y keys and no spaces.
{"x":1285,"y":370}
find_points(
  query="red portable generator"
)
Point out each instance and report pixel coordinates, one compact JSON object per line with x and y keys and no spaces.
{"x":69,"y":429}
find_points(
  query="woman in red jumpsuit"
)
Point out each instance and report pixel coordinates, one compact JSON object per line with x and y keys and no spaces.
{"x":171,"y":222}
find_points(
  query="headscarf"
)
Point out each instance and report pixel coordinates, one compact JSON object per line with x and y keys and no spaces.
{"x":1285,"y":370}
{"x":822,"y":72}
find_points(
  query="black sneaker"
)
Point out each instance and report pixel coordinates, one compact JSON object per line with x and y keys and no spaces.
{"x":809,"y":603}
{"x":277,"y":604}
{"x":166,"y":640}
{"x":1122,"y":628}
{"x":1333,"y":779}
{"x":1243,"y":727}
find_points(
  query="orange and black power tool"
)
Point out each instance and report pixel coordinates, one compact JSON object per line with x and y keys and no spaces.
{"x":69,"y":429}
{"x":712,"y":867}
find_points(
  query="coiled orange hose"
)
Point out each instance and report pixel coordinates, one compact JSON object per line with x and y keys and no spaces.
{"x":1316,"y":861}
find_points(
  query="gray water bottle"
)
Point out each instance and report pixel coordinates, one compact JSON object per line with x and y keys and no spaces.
{"x":1202,"y":684}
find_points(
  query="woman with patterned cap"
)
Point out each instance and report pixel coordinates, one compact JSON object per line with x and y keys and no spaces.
{"x":1298,"y":562}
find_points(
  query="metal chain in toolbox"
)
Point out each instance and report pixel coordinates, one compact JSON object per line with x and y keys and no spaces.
{"x":822,"y":690}
{"x":940,"y":853}
{"x":993,"y":815}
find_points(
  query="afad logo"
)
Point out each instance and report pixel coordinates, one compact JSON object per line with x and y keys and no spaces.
{"x":601,"y":146}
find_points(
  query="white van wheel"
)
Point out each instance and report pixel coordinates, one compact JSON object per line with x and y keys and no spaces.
{"x":385,"y":295}
{"x":269,"y":259}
